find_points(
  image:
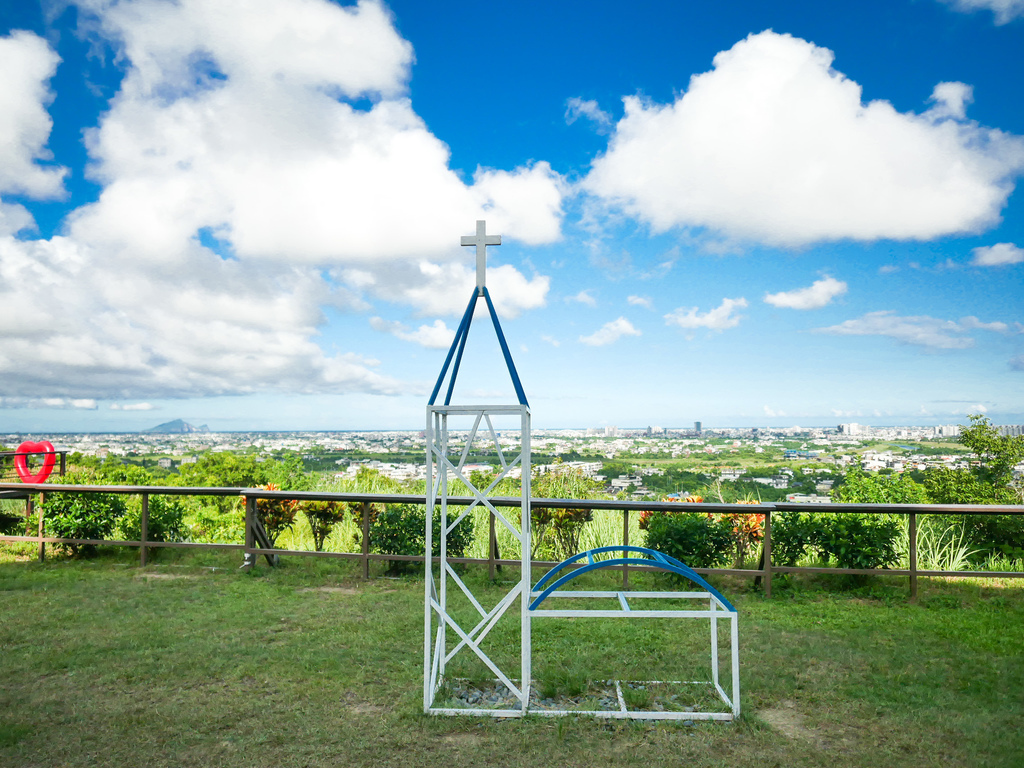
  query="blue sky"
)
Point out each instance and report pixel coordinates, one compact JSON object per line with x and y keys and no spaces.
{"x":248,"y":214}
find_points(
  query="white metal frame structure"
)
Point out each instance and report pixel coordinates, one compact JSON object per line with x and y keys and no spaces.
{"x":715,"y":612}
{"x":439,"y":645}
{"x":443,"y":636}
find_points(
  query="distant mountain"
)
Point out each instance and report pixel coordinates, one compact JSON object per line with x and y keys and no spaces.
{"x":177,"y":427}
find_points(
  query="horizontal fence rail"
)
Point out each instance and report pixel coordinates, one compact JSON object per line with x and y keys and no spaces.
{"x":256,"y":545}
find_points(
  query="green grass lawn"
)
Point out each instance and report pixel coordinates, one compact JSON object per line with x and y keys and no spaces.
{"x":190,"y":662}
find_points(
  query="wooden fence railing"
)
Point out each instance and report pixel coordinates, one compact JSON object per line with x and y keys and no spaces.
{"x":257,"y":544}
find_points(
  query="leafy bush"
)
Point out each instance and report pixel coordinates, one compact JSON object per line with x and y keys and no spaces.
{"x":11,"y":524}
{"x":859,"y":541}
{"x":859,"y":487}
{"x":322,"y":517}
{"x":699,"y":540}
{"x":399,"y":530}
{"x":563,"y":525}
{"x":793,"y":533}
{"x":166,"y":520}
{"x":217,"y":522}
{"x":275,"y":514}
{"x":82,"y":515}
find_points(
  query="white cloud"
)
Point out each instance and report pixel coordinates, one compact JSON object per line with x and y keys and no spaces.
{"x":576,"y":108}
{"x":132,"y":407}
{"x":776,"y":146}
{"x":54,"y":403}
{"x":816,"y":295}
{"x":551,"y":340}
{"x":998,"y":255}
{"x":919,"y":330}
{"x":583,"y":297}
{"x":772,"y":413}
{"x":28,"y":63}
{"x":610,"y":332}
{"x":445,"y":289}
{"x":436,"y":336}
{"x":641,"y":301}
{"x":717,"y":319}
{"x":232,"y":120}
{"x":1004,"y":11}
{"x":951,"y":100}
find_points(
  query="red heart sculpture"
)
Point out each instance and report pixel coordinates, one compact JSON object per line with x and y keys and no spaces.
{"x":21,"y":461}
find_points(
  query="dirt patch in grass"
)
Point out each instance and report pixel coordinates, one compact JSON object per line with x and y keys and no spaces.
{"x":790,"y":722}
{"x":464,"y":739}
{"x":785,"y":719}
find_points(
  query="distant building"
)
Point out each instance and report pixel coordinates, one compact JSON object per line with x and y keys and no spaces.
{"x":697,"y":427}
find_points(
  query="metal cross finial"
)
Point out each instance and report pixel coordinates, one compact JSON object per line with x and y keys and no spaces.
{"x":481,"y":241}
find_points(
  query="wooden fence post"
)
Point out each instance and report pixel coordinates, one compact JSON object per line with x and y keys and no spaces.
{"x":912,"y":533}
{"x":144,"y":526}
{"x":365,"y":506}
{"x":625,"y":543}
{"x":42,"y":544}
{"x":250,"y":534}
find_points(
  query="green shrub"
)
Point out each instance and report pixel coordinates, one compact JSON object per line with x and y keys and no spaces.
{"x":82,"y":515}
{"x":166,"y":520}
{"x":322,"y":517}
{"x":859,"y":541}
{"x":793,"y":533}
{"x":697,"y":539}
{"x":212,"y":522}
{"x":399,"y":530}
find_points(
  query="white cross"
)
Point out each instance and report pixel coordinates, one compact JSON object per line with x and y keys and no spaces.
{"x":481,"y":241}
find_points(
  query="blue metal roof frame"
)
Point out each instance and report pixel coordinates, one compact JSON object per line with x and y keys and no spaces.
{"x":459,"y":346}
{"x":656,"y":559}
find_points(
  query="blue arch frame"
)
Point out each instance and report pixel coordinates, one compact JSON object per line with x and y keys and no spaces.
{"x":656,"y":559}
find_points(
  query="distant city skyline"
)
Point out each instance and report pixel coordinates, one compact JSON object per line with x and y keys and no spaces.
{"x":765,"y":214}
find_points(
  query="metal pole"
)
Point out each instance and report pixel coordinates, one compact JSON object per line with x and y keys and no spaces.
{"x":492,"y":545}
{"x":767,"y":553}
{"x":144,"y":524}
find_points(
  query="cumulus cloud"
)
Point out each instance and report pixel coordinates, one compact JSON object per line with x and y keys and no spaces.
{"x":583,"y":297}
{"x":815,"y":296}
{"x":28,"y":63}
{"x":717,"y":319}
{"x":774,"y":145}
{"x":575,"y":108}
{"x":610,"y":333}
{"x":446,"y":288}
{"x":640,"y":301}
{"x":132,"y":407}
{"x":919,"y":330}
{"x":282,"y":131}
{"x":436,"y":336}
{"x":998,"y":255}
{"x":1004,"y":11}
